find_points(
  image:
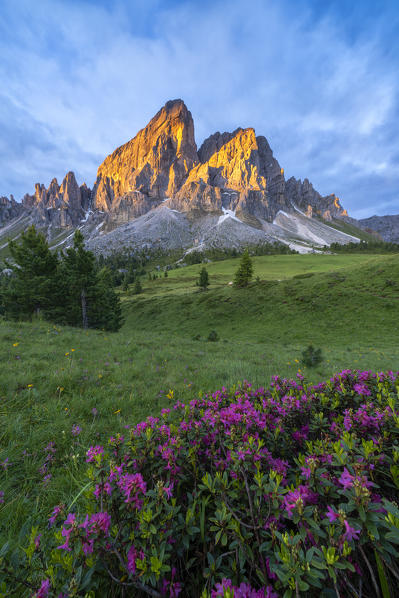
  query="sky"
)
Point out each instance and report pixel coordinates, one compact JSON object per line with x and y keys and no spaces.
{"x":318,"y":78}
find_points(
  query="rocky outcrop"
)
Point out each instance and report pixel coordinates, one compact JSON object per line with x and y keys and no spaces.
{"x":306,"y":198}
{"x":237,"y":171}
{"x":386,"y":226}
{"x":61,"y":206}
{"x":154,"y":164}
{"x":9,"y":209}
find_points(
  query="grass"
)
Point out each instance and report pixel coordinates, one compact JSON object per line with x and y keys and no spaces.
{"x":53,"y":378}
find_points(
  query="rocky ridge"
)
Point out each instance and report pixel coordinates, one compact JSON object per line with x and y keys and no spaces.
{"x":232,"y":183}
{"x":386,"y":226}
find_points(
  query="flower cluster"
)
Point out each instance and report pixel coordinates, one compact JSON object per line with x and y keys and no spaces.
{"x":265,"y":492}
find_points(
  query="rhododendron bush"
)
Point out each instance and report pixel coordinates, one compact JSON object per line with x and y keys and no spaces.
{"x":282,"y":491}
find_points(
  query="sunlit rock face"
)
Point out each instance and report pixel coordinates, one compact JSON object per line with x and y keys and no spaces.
{"x":237,"y":171}
{"x":150,"y":167}
{"x":61,"y":206}
{"x":308,"y":200}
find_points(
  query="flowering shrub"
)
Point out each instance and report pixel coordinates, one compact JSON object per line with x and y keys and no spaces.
{"x":281,"y":491}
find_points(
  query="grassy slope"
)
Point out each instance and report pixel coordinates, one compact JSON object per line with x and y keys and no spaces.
{"x":349,"y":307}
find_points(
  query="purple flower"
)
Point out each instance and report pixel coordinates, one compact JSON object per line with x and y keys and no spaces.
{"x":76,"y":430}
{"x":331,"y":514}
{"x":93,"y":452}
{"x":132,"y":485}
{"x":346,"y":479}
{"x":361,"y":389}
{"x":37,"y":541}
{"x":131,"y":560}
{"x":56,"y":511}
{"x":1,"y":497}
{"x":5,"y":464}
{"x":350,"y":532}
{"x":43,"y":590}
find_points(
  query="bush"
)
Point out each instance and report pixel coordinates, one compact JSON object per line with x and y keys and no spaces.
{"x":213,"y":336}
{"x":312,"y":357}
{"x":284,"y":491}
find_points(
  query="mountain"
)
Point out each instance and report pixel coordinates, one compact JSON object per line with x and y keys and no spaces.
{"x":159,"y":190}
{"x":386,"y":226}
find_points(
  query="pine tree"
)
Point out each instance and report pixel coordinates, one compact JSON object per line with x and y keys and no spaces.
{"x":125,"y":284}
{"x":245,"y":271}
{"x":137,"y":289}
{"x":203,"y":281}
{"x":91,"y":299}
{"x":34,"y":286}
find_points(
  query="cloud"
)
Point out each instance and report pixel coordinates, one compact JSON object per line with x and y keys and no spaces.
{"x":84,"y":77}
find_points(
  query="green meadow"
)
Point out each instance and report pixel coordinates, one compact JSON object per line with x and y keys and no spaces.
{"x":74,"y":388}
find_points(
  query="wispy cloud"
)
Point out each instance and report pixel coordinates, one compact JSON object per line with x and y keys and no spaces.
{"x":80,"y":78}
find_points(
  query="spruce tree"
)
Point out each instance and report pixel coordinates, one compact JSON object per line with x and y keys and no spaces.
{"x":91,"y":299}
{"x":203,"y":281}
{"x":245,"y":271}
{"x":34,"y":285}
{"x":137,"y":289}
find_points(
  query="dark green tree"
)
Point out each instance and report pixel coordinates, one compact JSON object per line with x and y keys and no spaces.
{"x":34,"y":285}
{"x":244,"y":272}
{"x":125,"y":284}
{"x":91,"y":300}
{"x":203,"y":281}
{"x":137,"y":289}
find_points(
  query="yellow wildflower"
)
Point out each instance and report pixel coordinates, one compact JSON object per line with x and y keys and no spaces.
{"x":30,"y":385}
{"x":15,"y":344}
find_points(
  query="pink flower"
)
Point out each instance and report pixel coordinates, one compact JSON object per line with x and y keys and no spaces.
{"x":131,"y":560}
{"x":43,"y":590}
{"x":346,"y":479}
{"x":350,"y":532}
{"x":331,"y":514}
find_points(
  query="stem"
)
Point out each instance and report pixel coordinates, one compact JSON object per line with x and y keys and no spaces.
{"x":369,"y":567}
{"x":251,"y":508}
{"x":392,"y":570}
{"x":336,"y":590}
{"x":135,"y":584}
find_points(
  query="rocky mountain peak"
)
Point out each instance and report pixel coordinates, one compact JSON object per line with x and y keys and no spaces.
{"x":154,"y":164}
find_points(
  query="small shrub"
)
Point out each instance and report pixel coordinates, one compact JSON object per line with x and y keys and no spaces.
{"x":213,"y":336}
{"x":312,"y":357}
{"x":304,"y":275}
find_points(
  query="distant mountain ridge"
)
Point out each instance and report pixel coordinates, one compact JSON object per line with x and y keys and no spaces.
{"x":232,"y":182}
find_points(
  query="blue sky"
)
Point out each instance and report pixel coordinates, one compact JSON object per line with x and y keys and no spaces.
{"x":318,"y":78}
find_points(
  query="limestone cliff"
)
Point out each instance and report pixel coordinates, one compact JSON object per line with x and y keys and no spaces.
{"x":61,"y":206}
{"x":150,"y":167}
{"x":9,"y":209}
{"x":306,"y":198}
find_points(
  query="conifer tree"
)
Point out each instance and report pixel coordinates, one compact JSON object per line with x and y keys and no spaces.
{"x":245,"y":271}
{"x":91,"y":300}
{"x":137,"y":289}
{"x":34,"y":286}
{"x":203,"y":281}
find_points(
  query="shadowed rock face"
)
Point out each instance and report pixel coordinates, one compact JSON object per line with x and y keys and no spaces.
{"x":61,"y":206}
{"x":386,"y":226}
{"x":9,"y":209}
{"x":154,"y":164}
{"x":307,"y":199}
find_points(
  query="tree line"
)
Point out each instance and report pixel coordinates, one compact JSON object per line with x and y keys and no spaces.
{"x":66,"y":288}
